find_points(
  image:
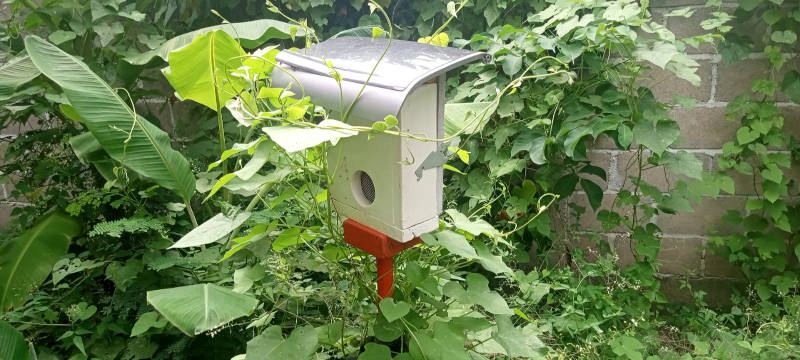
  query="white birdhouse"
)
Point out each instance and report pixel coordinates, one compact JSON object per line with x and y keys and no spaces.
{"x":376,"y":180}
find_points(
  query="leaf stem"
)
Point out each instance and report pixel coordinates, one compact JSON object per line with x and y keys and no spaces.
{"x":190,"y":212}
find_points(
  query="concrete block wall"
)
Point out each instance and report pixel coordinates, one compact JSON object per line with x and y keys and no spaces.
{"x":704,"y":130}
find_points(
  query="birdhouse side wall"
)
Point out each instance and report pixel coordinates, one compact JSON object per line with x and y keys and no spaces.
{"x":420,"y":195}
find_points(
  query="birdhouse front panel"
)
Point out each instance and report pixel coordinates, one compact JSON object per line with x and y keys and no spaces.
{"x":374,"y":178}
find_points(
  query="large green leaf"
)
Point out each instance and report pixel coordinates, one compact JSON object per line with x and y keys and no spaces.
{"x":201,"y":70}
{"x":517,"y":342}
{"x":27,"y":260}
{"x":12,"y":343}
{"x":197,"y":308}
{"x":468,"y":116}
{"x":656,"y":135}
{"x":250,"y":34}
{"x":301,"y":344}
{"x":15,"y":73}
{"x":211,"y":230}
{"x":478,"y":292}
{"x":127,"y":138}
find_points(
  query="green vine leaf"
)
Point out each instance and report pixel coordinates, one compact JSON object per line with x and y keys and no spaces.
{"x":682,"y":162}
{"x":627,"y":346}
{"x":593,"y":192}
{"x":791,"y":85}
{"x":749,"y":5}
{"x":301,"y":344}
{"x":785,"y":37}
{"x":657,"y":135}
{"x":373,"y":351}
{"x":392,"y":310}
{"x":518,"y":342}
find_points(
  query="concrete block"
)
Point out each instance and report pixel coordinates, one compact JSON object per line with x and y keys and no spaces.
{"x":704,"y":127}
{"x":737,"y":79}
{"x":588,"y":221}
{"x":689,"y":27}
{"x":718,"y":266}
{"x":664,"y":83}
{"x":603,"y":161}
{"x":718,"y":292}
{"x":706,"y":217}
{"x":678,"y":256}
{"x":791,"y":120}
{"x":659,"y":176}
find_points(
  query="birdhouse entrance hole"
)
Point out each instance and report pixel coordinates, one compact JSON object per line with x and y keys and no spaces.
{"x":363,"y":188}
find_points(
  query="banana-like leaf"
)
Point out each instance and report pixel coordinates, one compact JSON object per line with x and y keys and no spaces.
{"x":201,"y":70}
{"x":197,"y":308}
{"x":127,"y":137}
{"x":250,"y":34}
{"x":12,"y":343}
{"x":26,"y":260}
{"x":88,"y":150}
{"x":15,"y":73}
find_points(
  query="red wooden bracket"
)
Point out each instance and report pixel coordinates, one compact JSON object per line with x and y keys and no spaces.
{"x":379,"y":245}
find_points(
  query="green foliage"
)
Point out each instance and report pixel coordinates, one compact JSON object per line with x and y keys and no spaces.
{"x":134,"y":225}
{"x":195,"y":309}
{"x":125,"y":136}
{"x":765,"y":249}
{"x":12,"y":343}
{"x":250,"y":34}
{"x":28,"y":259}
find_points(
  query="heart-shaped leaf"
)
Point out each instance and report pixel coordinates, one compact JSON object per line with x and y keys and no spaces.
{"x":392,"y":310}
{"x":785,"y":37}
{"x":197,"y":308}
{"x":772,"y":173}
{"x":301,"y":344}
{"x":746,"y":135}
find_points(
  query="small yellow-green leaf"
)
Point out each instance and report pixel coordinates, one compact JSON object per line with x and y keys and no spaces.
{"x":376,"y":31}
{"x":391,"y":121}
{"x":296,"y":112}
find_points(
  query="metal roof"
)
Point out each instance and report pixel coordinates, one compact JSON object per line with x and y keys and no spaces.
{"x":405,"y":65}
